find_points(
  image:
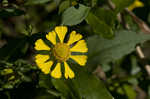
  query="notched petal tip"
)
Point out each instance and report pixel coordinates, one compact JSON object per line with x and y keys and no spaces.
{"x":68,"y":71}
{"x":61,"y":32}
{"x":74,"y":37}
{"x":51,"y":36}
{"x":80,"y":59}
{"x":41,"y":58}
{"x":40,"y":45}
{"x":42,"y":64}
{"x":80,"y":46}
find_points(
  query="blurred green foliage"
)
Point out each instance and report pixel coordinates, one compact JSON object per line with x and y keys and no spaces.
{"x":114,"y":68}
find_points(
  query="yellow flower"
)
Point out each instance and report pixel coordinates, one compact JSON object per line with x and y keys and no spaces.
{"x":135,"y":4}
{"x":60,"y":52}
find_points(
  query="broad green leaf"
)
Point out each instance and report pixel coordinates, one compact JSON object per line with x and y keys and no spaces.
{"x":121,"y":4}
{"x":73,"y":16}
{"x":61,"y":86}
{"x":32,"y":2}
{"x":104,"y":50}
{"x":107,"y":16}
{"x":99,"y":26}
{"x":64,"y":5}
{"x":89,"y":86}
{"x":83,"y":86}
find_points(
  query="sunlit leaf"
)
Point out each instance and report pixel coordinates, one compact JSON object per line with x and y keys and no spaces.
{"x":104,"y":50}
{"x":99,"y":26}
{"x":63,"y":6}
{"x":82,"y":86}
{"x":89,"y":86}
{"x":73,"y":16}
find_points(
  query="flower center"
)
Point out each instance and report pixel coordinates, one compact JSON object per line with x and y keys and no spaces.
{"x":61,"y":51}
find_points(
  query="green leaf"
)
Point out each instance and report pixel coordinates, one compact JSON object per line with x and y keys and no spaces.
{"x":61,"y":86}
{"x":32,"y":2}
{"x":73,"y":16}
{"x":89,"y":86}
{"x":104,"y":50}
{"x":108,"y":16}
{"x":45,"y":81}
{"x":64,"y":5}
{"x":121,"y":4}
{"x":83,"y":86}
{"x":99,"y":26}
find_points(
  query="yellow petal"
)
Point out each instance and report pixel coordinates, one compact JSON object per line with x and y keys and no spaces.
{"x":68,"y":72}
{"x":136,"y":4}
{"x":74,"y":37}
{"x":80,"y":47}
{"x":131,"y":7}
{"x":56,"y":73}
{"x":46,"y":67}
{"x":51,"y":36}
{"x":61,"y":32}
{"x":40,"y":45}
{"x":80,"y":59}
{"x":139,"y":3}
{"x":42,"y":64}
{"x":40,"y":59}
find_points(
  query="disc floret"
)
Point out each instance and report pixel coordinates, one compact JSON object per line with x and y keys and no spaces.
{"x":61,"y":51}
